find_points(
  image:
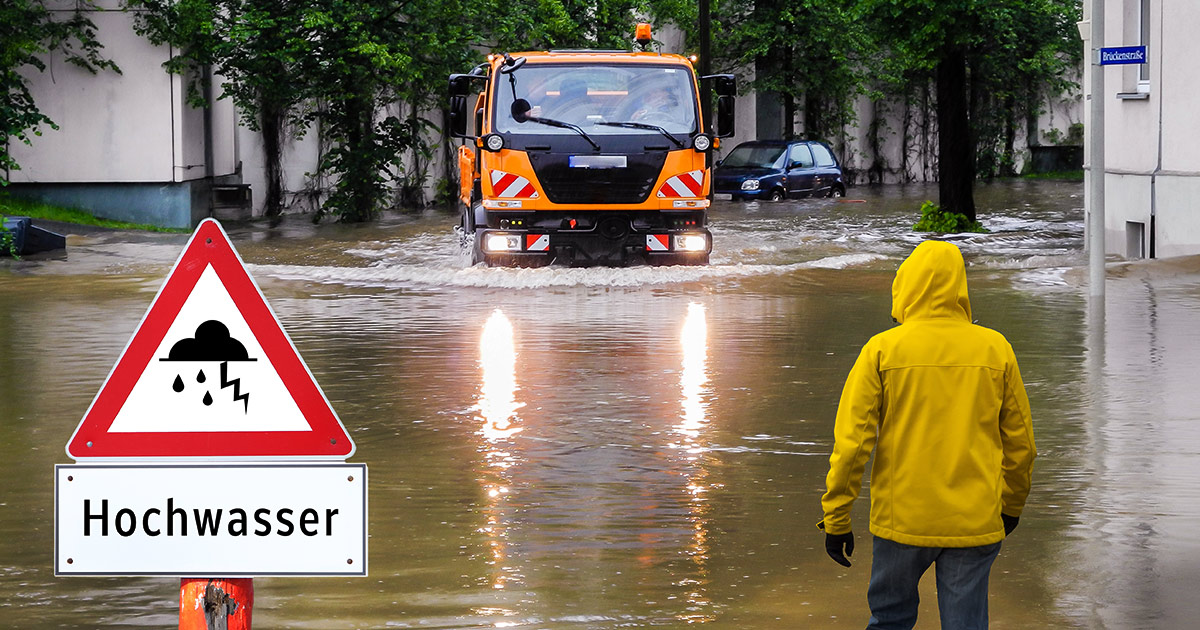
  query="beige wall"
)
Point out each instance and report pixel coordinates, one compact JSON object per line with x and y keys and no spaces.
{"x":120,"y":128}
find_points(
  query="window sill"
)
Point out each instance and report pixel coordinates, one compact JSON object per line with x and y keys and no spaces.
{"x":1133,"y":96}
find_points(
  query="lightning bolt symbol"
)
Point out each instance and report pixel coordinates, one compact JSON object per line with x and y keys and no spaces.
{"x":237,"y":387}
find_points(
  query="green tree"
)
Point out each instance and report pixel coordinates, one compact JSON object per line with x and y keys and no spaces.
{"x":260,"y":49}
{"x":28,"y":32}
{"x":972,"y":48}
{"x":814,"y":54}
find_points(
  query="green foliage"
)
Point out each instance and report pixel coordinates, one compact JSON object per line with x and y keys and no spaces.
{"x":1073,"y":137}
{"x":1073,"y":176}
{"x":14,"y":206}
{"x":7,"y":240}
{"x":815,"y":54}
{"x":934,"y":219}
{"x":1019,"y":54}
{"x":28,"y":32}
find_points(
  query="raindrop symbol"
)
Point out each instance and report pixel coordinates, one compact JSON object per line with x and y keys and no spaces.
{"x":207,"y":399}
{"x":178,"y":384}
{"x":200,"y":377}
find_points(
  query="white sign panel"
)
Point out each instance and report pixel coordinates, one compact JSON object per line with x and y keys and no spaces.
{"x":203,"y":521}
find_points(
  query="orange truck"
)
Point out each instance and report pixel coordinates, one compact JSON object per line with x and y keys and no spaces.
{"x":587,"y":157}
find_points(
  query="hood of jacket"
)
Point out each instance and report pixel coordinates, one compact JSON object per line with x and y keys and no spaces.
{"x":931,"y":283}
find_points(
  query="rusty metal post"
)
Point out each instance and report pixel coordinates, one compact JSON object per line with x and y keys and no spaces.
{"x":215,"y":604}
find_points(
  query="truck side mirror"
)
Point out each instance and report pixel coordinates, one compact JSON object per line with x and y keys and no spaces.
{"x":520,"y":110}
{"x":724,"y":84}
{"x":460,"y":87}
{"x":725,"y":115}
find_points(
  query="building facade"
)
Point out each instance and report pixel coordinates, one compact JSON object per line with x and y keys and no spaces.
{"x":128,"y":146}
{"x":1151,"y":160}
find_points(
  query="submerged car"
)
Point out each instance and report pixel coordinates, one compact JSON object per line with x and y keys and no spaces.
{"x":779,"y":169}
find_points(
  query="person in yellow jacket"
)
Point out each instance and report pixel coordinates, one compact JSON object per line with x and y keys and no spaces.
{"x":941,"y":403}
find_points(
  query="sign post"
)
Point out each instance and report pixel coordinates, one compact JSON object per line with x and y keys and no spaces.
{"x":210,"y":451}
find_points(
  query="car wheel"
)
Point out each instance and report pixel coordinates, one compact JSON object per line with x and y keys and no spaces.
{"x":776,"y":195}
{"x":836,"y":192}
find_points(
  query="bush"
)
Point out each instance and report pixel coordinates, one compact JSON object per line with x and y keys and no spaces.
{"x":934,"y":219}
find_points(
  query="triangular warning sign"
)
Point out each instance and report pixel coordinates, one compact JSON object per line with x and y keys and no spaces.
{"x":210,"y":374}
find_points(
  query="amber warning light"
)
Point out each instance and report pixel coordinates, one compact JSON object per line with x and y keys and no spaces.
{"x":642,"y":35}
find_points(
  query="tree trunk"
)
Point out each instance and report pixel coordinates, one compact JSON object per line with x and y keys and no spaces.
{"x":956,"y":160}
{"x":1008,"y":161}
{"x":271,"y":121}
{"x":813,"y":125}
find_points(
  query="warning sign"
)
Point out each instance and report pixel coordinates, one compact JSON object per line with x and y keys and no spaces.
{"x":210,"y":374}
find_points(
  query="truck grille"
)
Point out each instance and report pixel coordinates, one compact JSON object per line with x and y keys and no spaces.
{"x":628,"y":185}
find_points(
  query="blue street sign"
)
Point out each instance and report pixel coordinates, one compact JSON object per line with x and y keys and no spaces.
{"x":1122,"y":55}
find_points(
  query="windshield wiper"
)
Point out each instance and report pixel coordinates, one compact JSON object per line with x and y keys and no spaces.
{"x":637,"y":125}
{"x":564,"y":125}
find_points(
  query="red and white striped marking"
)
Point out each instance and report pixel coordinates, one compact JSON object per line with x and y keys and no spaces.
{"x":658,"y":242}
{"x":537,"y":242}
{"x":507,"y":185}
{"x":689,"y":184}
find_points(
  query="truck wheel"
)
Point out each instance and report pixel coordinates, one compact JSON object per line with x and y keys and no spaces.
{"x":476,"y":248}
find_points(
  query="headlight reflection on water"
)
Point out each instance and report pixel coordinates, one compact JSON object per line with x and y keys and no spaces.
{"x":497,"y":409}
{"x":498,"y":359}
{"x":693,"y":339}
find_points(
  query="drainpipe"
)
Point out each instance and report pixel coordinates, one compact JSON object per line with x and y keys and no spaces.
{"x":1095,"y":223}
{"x":1158,"y":165}
{"x":209,"y":169}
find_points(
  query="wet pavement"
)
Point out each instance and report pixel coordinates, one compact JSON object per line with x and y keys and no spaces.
{"x":643,"y":447}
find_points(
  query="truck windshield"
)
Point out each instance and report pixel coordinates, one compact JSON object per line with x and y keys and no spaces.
{"x":591,"y":96}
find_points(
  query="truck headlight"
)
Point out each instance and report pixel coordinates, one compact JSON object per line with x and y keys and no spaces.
{"x":690,"y":243}
{"x":502,"y":243}
{"x":493,"y":142}
{"x":750,"y":184}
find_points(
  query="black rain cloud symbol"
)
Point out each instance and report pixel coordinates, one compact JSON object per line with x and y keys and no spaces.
{"x":212,"y":342}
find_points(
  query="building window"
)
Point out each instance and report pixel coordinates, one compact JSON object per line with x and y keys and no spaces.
{"x":1144,"y":40}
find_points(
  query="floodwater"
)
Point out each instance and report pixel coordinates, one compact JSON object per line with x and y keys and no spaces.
{"x":610,"y":448}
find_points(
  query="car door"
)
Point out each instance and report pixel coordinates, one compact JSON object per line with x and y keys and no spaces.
{"x":800,"y":171}
{"x":825,"y":170}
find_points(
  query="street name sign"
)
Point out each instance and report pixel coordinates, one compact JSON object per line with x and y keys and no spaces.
{"x":210,"y":451}
{"x":1119,"y":55}
{"x":211,"y":521}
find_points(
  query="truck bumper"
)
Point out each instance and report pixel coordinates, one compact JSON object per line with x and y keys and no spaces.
{"x":531,"y":248}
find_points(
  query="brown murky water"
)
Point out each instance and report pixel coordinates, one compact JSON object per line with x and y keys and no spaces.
{"x":593,"y":449}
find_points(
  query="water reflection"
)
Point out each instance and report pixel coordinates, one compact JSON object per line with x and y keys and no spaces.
{"x":497,"y":409}
{"x":692,"y":443}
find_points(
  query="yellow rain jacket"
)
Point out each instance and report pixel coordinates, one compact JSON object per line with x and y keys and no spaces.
{"x":941,"y":402}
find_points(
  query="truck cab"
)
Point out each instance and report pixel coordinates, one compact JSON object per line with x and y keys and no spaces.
{"x":586,"y":158}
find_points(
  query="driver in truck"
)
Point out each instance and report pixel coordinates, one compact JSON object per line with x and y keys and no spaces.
{"x":660,"y":103}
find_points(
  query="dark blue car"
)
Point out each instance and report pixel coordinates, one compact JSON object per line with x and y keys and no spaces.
{"x":779,"y":169}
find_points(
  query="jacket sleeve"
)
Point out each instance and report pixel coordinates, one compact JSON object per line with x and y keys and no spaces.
{"x":1016,"y":438}
{"x":854,"y":434}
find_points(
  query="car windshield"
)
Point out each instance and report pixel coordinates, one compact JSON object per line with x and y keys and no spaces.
{"x":659,"y":98}
{"x":755,"y":157}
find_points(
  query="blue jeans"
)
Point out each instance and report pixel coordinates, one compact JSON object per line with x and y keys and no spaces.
{"x":962,"y":584}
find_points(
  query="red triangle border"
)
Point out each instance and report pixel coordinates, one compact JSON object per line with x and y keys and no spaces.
{"x":210,"y":246}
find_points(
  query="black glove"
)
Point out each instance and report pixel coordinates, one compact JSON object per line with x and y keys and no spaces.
{"x":836,"y":543}
{"x":1010,"y":523}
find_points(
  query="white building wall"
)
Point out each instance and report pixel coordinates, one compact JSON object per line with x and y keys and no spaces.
{"x":112,"y":127}
{"x":1151,"y":130}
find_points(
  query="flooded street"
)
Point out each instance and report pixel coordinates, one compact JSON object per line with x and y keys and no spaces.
{"x":645,"y":447}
